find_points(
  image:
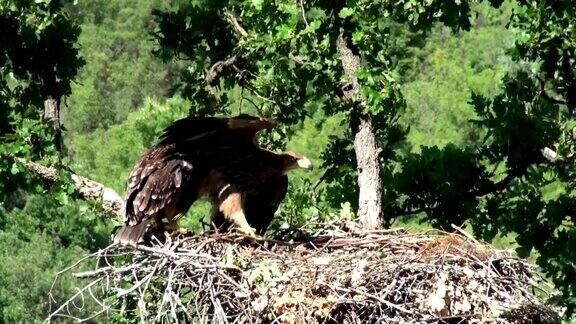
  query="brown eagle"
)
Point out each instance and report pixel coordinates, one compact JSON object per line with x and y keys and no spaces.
{"x":213,"y":157}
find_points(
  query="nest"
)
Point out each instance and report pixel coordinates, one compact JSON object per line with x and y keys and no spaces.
{"x":387,"y":276}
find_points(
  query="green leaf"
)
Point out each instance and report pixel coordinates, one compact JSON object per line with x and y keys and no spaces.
{"x":14,"y":169}
{"x":346,"y":12}
{"x":257,"y":4}
{"x":62,"y":198}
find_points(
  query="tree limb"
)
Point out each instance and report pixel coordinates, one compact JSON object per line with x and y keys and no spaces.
{"x":322,"y":177}
{"x":52,"y":116}
{"x":548,"y":96}
{"x":464,"y":196}
{"x":350,"y":63}
{"x":550,"y":154}
{"x":303,"y":13}
{"x":88,"y":189}
{"x":213,"y":74}
{"x":235,"y":24}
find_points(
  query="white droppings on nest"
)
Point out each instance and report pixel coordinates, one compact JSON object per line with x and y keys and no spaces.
{"x":358,"y":272}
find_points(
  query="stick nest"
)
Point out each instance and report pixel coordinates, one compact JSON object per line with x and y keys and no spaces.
{"x":332,"y":276}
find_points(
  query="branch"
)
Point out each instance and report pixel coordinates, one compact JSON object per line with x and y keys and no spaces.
{"x":213,"y":74}
{"x":87,"y":189}
{"x":350,"y":63}
{"x":322,"y":177}
{"x":235,"y":24}
{"x":303,"y":13}
{"x":547,"y":95}
{"x":547,"y":153}
{"x":550,"y":155}
{"x":299,"y":59}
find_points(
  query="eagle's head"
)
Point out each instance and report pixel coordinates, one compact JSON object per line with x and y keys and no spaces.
{"x":293,"y":160}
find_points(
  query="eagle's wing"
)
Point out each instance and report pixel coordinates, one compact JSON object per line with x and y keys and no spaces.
{"x":155,"y":189}
{"x":154,"y":184}
{"x":200,"y":132}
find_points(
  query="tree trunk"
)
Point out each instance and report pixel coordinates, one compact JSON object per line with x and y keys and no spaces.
{"x":370,"y":196}
{"x":365,"y":144}
{"x":52,"y":115}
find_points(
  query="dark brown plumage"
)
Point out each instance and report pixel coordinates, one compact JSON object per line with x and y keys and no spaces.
{"x":214,"y":157}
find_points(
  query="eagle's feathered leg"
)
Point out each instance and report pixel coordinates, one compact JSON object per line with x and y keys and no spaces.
{"x":173,"y":216}
{"x":172,"y":226}
{"x":130,"y":234}
{"x":231,"y":207}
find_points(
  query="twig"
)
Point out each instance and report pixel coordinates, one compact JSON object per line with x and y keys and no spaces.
{"x":144,"y":280}
{"x":71,"y":299}
{"x":464,"y":233}
{"x":97,"y":272}
{"x":213,"y":74}
{"x":303,"y":13}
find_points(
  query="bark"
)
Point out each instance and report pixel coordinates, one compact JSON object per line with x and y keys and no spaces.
{"x":550,"y":154}
{"x":212,"y":76}
{"x":52,"y":116}
{"x":88,"y":189}
{"x":235,"y":24}
{"x":365,"y":144}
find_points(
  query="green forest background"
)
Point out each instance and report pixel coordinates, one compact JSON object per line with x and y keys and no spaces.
{"x":128,"y":90}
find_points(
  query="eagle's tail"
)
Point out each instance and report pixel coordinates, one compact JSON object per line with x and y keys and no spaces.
{"x":131,"y":234}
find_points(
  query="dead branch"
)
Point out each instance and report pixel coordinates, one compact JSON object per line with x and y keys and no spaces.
{"x":88,"y":189}
{"x":303,"y":13}
{"x":213,"y":74}
{"x":550,"y":154}
{"x":235,"y":24}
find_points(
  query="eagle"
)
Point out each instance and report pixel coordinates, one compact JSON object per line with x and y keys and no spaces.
{"x":214,"y":157}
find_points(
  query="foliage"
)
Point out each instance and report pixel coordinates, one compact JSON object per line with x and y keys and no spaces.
{"x":505,"y":184}
{"x":120,"y":73}
{"x":448,"y":67}
{"x":40,"y":232}
{"x":26,"y":275}
{"x":536,"y":110}
{"x":108,"y":156}
{"x":429,"y":67}
{"x":284,"y":57}
{"x":289,"y":63}
{"x":38,"y":59}
{"x":38,"y":241}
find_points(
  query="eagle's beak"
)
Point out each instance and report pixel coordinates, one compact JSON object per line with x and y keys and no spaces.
{"x":304,"y":163}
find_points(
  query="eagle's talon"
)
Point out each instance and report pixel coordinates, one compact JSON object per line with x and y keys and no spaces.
{"x":248,"y":231}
